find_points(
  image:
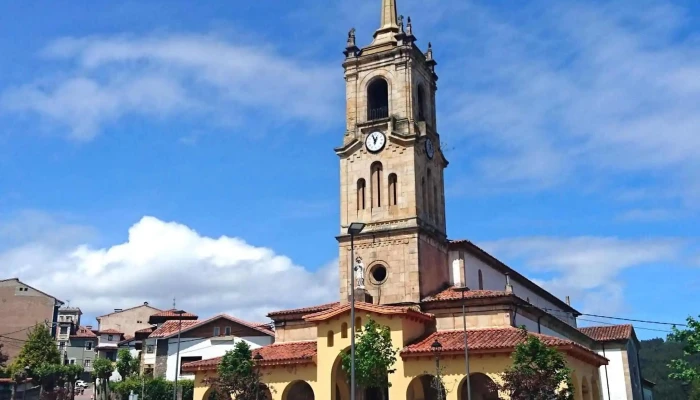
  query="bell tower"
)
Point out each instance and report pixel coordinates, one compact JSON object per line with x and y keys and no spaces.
{"x":392,"y":166}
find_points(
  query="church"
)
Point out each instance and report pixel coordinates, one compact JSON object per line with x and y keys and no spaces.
{"x":397,"y":262}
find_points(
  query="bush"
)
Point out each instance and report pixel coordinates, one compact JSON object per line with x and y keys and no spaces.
{"x":153,"y":388}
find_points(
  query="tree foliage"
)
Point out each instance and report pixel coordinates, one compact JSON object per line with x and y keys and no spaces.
{"x":127,"y":365}
{"x":3,"y":360}
{"x":102,"y":369}
{"x":153,"y":388}
{"x":681,"y":368}
{"x":539,"y":372}
{"x":39,"y":349}
{"x":374,"y":357}
{"x":238,"y":376}
{"x":655,"y":355}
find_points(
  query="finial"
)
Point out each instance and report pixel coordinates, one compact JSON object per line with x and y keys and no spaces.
{"x":400,"y":23}
{"x":409,"y":27}
{"x":351,"y":49}
{"x":429,"y":53}
{"x":351,"y":38}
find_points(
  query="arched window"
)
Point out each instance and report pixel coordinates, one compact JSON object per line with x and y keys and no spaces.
{"x":344,"y":330}
{"x":420,"y":103}
{"x":361,"y":186}
{"x":330,"y":338}
{"x":377,"y":99}
{"x":481,"y":281}
{"x":424,"y":192}
{"x":393,"y":194}
{"x":377,"y":171}
{"x":431,"y":203}
{"x":358,"y":324}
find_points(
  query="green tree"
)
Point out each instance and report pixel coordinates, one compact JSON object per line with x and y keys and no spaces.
{"x":127,"y":365}
{"x":539,"y":372}
{"x":39,"y":349}
{"x":681,"y":368}
{"x":374,"y":358}
{"x":3,"y":360}
{"x":102,"y":369}
{"x":238,"y":376}
{"x":73,"y":373}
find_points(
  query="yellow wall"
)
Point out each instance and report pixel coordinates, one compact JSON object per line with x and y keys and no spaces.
{"x":322,"y":375}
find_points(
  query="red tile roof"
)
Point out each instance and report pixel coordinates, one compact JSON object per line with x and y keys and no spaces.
{"x":494,"y":340}
{"x":453,"y":293}
{"x":410,"y":312}
{"x":305,"y":310}
{"x":83,"y":332}
{"x":146,"y":330}
{"x":171,"y":327}
{"x":112,"y":331}
{"x":275,"y":354}
{"x":608,"y":333}
{"x":171,"y":313}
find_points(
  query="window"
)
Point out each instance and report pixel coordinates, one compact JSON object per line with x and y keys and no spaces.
{"x":149,"y":349}
{"x":139,"y":322}
{"x":481,"y":281}
{"x":420,"y":103}
{"x":110,"y":337}
{"x":344,"y":330}
{"x":88,"y":345}
{"x":61,"y":346}
{"x":377,"y":171}
{"x":379,"y":274}
{"x":217,"y":331}
{"x":227,"y":331}
{"x":377,"y":99}
{"x":86,"y":363}
{"x":393,"y":193}
{"x":69,"y":318}
{"x":358,"y":324}
{"x":71,"y":361}
{"x":64,"y":330}
{"x":185,"y":360}
{"x":329,"y":339}
{"x":361,"y":185}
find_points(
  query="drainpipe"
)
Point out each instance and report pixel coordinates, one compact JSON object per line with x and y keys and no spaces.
{"x":539,"y":328}
{"x":607,"y":381}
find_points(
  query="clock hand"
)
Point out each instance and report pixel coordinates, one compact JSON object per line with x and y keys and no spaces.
{"x":375,"y":139}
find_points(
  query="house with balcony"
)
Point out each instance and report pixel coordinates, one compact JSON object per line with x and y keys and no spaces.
{"x":108,"y":343}
{"x":81,"y":350}
{"x":67,"y":324}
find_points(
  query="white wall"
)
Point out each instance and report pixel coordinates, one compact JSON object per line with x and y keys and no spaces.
{"x":531,"y":326}
{"x":495,"y":280}
{"x":206,"y":348}
{"x":616,"y":375}
{"x":149,"y":359}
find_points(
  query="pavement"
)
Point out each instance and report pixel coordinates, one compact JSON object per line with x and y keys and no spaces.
{"x":87,"y":394}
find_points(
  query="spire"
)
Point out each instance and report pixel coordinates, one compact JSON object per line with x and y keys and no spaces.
{"x":389,"y":25}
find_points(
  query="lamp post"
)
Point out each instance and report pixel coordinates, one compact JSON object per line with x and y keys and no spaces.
{"x":463,"y":289}
{"x":354,"y":229}
{"x":257,"y":359}
{"x":177,"y":356}
{"x":437,"y":382}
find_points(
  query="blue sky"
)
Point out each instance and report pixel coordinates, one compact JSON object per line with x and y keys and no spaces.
{"x":141,"y":141}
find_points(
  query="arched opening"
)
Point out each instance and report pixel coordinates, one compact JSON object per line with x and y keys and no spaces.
{"x":595,"y":389}
{"x":482,"y":388}
{"x":361,"y":187}
{"x":379,"y":274}
{"x":358,"y":324}
{"x":420,"y":103}
{"x":344,"y":330}
{"x":585,"y":390}
{"x":424,"y":387}
{"x":340,"y":387}
{"x":481,"y":281}
{"x":393,"y":193}
{"x":298,"y":390}
{"x":430,"y":197}
{"x":329,"y":339}
{"x":377,"y":99}
{"x":211,"y":394}
{"x":376,"y":170}
{"x":264,"y":392}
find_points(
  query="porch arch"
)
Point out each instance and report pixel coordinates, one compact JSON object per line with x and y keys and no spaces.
{"x":423,"y":388}
{"x":298,"y":390}
{"x":482,"y":387}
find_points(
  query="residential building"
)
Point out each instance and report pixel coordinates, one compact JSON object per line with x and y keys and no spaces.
{"x":199,"y":340}
{"x":127,"y":321}
{"x":108,"y":343}
{"x":81,"y":349}
{"x":21,"y":308}
{"x":68,"y":321}
{"x":622,"y":377}
{"x":401,"y":267}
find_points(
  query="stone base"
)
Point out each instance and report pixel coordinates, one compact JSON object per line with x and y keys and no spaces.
{"x":361,"y":295}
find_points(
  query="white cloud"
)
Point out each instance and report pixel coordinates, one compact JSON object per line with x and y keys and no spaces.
{"x":161,"y":260}
{"x":586,"y":268}
{"x":108,"y":78}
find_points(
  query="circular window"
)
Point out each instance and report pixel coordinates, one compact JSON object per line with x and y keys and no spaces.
{"x":379,"y":274}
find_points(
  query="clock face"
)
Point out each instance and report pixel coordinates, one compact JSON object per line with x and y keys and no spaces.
{"x":429,"y":149}
{"x":375,"y":141}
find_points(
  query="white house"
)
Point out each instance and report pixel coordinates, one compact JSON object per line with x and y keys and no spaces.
{"x":199,"y":340}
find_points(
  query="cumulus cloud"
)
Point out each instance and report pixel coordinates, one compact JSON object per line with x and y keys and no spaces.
{"x":103,"y":79}
{"x":586,"y":268}
{"x":161,"y":260}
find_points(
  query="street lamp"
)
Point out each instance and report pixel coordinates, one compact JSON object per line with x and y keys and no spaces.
{"x":258,"y":357}
{"x":177,"y":357}
{"x":354,"y":229}
{"x":437,"y":382}
{"x":463,"y":289}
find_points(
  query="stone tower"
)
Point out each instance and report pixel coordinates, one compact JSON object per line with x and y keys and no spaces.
{"x":392,"y":166}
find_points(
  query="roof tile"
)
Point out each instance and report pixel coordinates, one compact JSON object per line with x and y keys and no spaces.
{"x":304,"y":310}
{"x":453,"y":293}
{"x":608,"y":333}
{"x":170,"y":327}
{"x":111,"y":331}
{"x":274,"y":354}
{"x":171,"y":313}
{"x":83,"y":332}
{"x":413,"y":312}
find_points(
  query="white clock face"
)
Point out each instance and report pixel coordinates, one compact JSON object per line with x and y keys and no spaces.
{"x":375,"y":141}
{"x":429,"y":149}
